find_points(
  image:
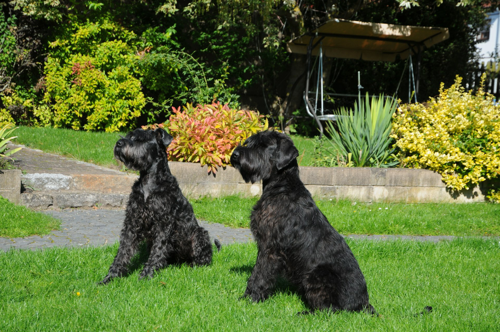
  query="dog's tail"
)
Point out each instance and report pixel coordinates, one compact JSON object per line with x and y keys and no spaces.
{"x":217,"y":244}
{"x":369,"y":309}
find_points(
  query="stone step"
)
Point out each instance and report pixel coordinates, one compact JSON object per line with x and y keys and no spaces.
{"x":73,"y":199}
{"x":102,"y":183}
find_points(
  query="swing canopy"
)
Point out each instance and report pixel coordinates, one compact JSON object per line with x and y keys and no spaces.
{"x":368,"y":41}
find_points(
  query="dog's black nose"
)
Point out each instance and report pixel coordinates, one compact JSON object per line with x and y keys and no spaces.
{"x":235,"y":158}
{"x":120,"y":143}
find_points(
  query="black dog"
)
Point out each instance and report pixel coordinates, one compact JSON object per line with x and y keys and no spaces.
{"x":294,"y":238}
{"x":157,"y":211}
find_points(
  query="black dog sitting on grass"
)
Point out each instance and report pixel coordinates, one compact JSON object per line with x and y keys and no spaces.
{"x":157,"y":211}
{"x":294,"y":239}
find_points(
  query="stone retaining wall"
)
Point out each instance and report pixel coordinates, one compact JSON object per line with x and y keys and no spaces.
{"x":358,"y":184}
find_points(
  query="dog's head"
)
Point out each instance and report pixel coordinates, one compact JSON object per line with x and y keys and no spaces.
{"x":141,"y":148}
{"x":264,"y":154}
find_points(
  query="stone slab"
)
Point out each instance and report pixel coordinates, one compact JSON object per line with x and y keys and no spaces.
{"x":64,"y":200}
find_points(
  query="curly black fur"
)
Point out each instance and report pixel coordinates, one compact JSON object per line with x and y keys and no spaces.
{"x":294,"y":239}
{"x":157,"y":211}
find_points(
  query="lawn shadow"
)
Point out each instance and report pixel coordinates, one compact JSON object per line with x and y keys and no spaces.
{"x":140,"y":258}
{"x":137,"y":262}
{"x":282,"y":285}
{"x":244,"y":269}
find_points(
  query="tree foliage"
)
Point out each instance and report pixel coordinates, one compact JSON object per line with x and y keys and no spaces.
{"x":234,"y":51}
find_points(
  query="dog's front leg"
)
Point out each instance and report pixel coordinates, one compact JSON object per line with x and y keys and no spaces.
{"x":129,"y":244}
{"x":158,"y":257}
{"x":264,"y":274}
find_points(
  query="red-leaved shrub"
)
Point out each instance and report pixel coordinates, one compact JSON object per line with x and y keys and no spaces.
{"x":208,"y":134}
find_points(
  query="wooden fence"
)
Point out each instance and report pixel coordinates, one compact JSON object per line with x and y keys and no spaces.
{"x":492,"y":84}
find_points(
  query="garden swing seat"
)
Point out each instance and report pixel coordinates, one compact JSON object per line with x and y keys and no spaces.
{"x":363,"y":41}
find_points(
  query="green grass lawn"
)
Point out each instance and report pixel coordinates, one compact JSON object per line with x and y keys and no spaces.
{"x":18,"y":221}
{"x":305,"y":145}
{"x":55,"y":289}
{"x":479,"y":219}
{"x":97,"y":147}
{"x":92,"y":147}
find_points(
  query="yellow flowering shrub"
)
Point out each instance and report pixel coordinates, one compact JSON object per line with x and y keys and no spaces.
{"x":456,"y":134}
{"x":494,"y":196}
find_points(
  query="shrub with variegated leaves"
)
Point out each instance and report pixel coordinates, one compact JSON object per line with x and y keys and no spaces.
{"x":208,"y":134}
{"x":456,"y":134}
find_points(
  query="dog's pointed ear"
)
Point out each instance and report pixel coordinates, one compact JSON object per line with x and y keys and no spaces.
{"x":163,"y":137}
{"x":286,"y":152}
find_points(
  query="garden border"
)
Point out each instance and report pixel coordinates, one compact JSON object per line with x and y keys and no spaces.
{"x":356,"y":184}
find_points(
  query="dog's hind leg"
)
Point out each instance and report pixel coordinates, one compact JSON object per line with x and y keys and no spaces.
{"x":320,"y":289}
{"x":202,"y":248}
{"x":325,"y":290}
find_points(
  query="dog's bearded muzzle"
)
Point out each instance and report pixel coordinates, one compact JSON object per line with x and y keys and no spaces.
{"x":122,"y":150}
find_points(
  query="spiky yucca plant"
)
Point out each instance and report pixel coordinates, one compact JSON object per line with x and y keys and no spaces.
{"x":363,"y":135}
{"x":5,"y":153}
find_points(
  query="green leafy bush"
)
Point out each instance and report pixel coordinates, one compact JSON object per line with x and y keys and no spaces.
{"x":363,"y":136}
{"x":90,"y":80}
{"x":208,"y":134}
{"x":456,"y":134}
{"x":174,"y":77}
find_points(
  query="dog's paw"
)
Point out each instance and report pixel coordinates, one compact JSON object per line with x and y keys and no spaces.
{"x":105,"y":280}
{"x":254,"y":297}
{"x":146,"y":274}
{"x":246,"y":296}
{"x":306,"y":312}
{"x":427,"y":310}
